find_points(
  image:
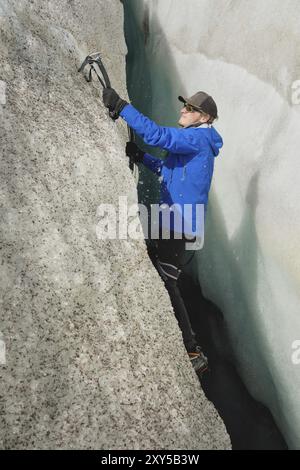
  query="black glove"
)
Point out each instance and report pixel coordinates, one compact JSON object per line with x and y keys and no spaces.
{"x":134,"y":153}
{"x":112,"y":101}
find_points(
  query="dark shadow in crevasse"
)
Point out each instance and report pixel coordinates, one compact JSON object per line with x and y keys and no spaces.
{"x":248,"y":422}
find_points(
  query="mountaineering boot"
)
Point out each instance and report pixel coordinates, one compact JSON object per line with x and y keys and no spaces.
{"x":198,"y":360}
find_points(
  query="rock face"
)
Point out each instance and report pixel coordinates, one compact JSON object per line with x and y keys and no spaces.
{"x":246,"y":55}
{"x":91,"y":355}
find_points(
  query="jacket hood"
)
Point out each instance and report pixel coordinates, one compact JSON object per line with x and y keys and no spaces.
{"x":213,"y":137}
{"x":215,"y":140}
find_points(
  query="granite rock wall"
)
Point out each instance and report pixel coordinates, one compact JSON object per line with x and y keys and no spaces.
{"x":91,"y":354}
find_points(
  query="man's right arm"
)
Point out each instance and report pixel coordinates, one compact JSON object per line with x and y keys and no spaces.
{"x":154,"y":164}
{"x":139,"y":156}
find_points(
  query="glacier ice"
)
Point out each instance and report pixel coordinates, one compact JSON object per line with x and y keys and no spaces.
{"x":245,"y":54}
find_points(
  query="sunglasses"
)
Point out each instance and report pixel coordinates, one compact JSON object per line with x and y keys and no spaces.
{"x":190,"y":108}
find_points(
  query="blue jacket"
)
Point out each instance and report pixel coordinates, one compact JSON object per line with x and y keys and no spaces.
{"x":187,"y":171}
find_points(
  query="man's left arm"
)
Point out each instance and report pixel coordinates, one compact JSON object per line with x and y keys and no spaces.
{"x":168,"y":138}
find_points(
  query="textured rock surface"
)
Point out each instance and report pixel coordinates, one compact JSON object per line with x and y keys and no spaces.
{"x":94,"y":356}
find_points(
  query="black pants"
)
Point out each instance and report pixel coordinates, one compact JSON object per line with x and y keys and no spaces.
{"x":168,"y":254}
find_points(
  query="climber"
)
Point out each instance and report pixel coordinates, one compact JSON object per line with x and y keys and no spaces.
{"x":186,"y":176}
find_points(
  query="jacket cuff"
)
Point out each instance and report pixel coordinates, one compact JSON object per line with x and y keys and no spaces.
{"x":120,"y":106}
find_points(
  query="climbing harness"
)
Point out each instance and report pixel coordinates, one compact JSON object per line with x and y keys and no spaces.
{"x":97,"y":66}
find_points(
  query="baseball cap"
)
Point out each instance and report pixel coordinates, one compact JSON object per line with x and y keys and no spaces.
{"x":202,"y":102}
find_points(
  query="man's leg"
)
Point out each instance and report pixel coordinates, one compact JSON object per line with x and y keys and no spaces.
{"x":169,"y":254}
{"x":166,"y":257}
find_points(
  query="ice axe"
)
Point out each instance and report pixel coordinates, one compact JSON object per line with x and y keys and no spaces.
{"x":96,"y":65}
